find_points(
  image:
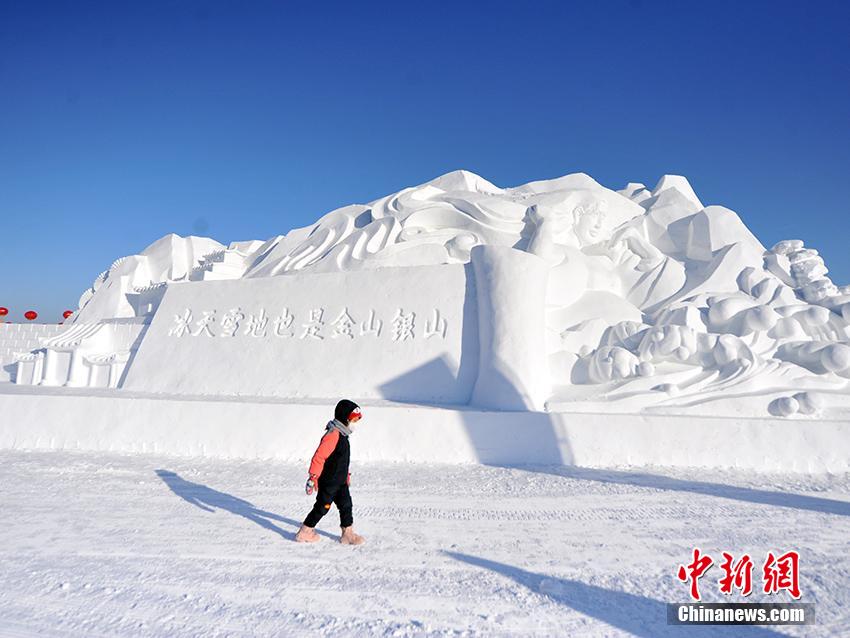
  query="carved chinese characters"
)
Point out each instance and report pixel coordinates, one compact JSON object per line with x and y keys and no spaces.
{"x":403,"y":325}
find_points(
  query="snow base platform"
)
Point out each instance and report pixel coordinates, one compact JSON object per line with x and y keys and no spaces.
{"x":35,"y":417}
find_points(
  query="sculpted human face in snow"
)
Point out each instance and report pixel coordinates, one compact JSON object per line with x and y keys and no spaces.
{"x":588,"y":223}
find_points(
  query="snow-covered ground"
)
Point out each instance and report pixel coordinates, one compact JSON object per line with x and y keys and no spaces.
{"x":94,"y":544}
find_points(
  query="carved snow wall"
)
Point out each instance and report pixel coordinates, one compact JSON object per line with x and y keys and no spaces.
{"x":22,"y":338}
{"x":403,"y":334}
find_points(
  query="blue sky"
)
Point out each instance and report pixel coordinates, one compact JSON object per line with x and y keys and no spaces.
{"x":123,"y":121}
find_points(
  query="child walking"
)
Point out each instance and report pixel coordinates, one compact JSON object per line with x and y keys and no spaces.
{"x":329,"y":476}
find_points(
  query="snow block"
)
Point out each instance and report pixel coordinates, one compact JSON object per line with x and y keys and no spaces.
{"x":117,"y":421}
{"x":513,"y":366}
{"x":316,"y":335}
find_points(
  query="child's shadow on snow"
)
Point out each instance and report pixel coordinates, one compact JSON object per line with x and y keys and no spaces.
{"x":209,"y":500}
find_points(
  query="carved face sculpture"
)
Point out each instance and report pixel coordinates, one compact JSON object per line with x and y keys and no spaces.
{"x":588,"y":223}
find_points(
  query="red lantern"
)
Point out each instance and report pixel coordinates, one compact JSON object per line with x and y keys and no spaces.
{"x":67,"y":313}
{"x":3,"y":311}
{"x":30,"y":315}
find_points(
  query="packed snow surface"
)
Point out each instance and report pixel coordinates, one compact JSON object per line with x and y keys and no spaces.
{"x":107,"y":545}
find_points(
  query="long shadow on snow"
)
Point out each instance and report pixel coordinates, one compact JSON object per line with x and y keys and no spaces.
{"x":209,"y":499}
{"x":721,"y":490}
{"x":635,"y":614}
{"x":540,"y":438}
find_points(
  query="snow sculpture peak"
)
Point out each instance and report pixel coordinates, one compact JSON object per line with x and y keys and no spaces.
{"x":680,"y":184}
{"x":462,"y":180}
{"x":573,"y":181}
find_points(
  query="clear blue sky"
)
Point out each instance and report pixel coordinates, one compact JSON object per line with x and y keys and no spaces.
{"x":123,"y":121}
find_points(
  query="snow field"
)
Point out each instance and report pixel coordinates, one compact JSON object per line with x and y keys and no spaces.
{"x":97,"y":544}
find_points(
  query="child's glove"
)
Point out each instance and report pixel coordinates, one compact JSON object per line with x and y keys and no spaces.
{"x":312,"y":484}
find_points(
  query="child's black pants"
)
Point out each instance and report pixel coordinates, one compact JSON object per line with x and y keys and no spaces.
{"x":341,"y":497}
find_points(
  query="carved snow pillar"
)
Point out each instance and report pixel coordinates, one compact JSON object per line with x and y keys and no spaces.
{"x":513,"y":371}
{"x":77,"y":372}
{"x":49,"y":368}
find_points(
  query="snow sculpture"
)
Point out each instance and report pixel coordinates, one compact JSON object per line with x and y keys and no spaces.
{"x":171,"y":258}
{"x":805,"y":403}
{"x":398,"y":333}
{"x":551,"y":295}
{"x":105,"y":369}
{"x":29,"y":367}
{"x":803,"y":269}
{"x":511,"y":330}
{"x":88,"y":354}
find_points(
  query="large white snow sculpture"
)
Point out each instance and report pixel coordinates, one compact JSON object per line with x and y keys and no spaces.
{"x":171,"y":258}
{"x":552,"y":295}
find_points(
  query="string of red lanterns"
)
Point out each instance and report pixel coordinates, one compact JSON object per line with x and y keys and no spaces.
{"x":30,"y":315}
